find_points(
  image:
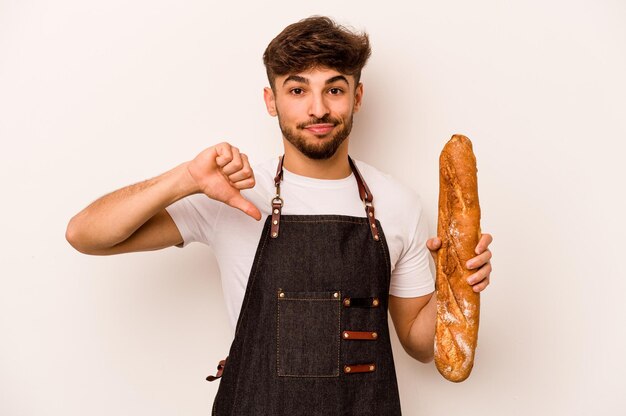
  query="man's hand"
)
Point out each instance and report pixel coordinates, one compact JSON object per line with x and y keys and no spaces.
{"x":221,"y":172}
{"x":481,"y":263}
{"x":134,"y":218}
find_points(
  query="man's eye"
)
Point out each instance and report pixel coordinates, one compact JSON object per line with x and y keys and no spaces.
{"x":335,"y":91}
{"x":297,"y":91}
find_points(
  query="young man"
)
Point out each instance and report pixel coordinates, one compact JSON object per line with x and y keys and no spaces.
{"x":342,"y":243}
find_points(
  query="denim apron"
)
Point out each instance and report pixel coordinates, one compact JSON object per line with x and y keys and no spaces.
{"x":312,"y":336}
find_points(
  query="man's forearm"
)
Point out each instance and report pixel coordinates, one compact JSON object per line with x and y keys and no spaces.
{"x":116,"y":216}
{"x":421,"y":337}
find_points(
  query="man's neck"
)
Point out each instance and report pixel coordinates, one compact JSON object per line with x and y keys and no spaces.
{"x":335,"y":167}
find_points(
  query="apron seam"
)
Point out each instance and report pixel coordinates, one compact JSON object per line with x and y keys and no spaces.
{"x":243,"y":311}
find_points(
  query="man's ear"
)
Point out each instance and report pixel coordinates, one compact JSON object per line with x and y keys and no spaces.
{"x":270,"y":101}
{"x":358,"y":97}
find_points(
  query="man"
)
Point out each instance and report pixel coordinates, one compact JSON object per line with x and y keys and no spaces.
{"x":342,"y":243}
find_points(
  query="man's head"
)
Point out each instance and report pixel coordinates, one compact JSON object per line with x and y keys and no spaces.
{"x":313,"y":42}
{"x":314,"y":67}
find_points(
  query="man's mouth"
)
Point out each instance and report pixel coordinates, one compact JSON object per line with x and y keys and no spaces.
{"x":320,"y":129}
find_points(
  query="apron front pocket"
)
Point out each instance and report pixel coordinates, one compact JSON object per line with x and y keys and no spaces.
{"x":308,"y":334}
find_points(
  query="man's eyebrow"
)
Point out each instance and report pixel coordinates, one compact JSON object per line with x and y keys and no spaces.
{"x":296,"y":78}
{"x":337,"y":78}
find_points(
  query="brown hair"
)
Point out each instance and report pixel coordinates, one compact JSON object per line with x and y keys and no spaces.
{"x":316,"y":41}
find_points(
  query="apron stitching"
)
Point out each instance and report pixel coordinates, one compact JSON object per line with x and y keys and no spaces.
{"x":386,"y":256}
{"x":318,"y":221}
{"x":278,"y":337}
{"x":338,"y":343}
{"x":253,"y":278}
{"x":243,"y":310}
{"x":339,"y":336}
{"x":383,"y":245}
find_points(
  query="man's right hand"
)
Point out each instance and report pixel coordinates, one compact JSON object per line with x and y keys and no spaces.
{"x":134,"y":218}
{"x":221,"y":172}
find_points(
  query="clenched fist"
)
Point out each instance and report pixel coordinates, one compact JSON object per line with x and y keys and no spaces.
{"x":221,"y":172}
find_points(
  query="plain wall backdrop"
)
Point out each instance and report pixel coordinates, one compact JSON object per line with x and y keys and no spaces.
{"x":98,"y":95}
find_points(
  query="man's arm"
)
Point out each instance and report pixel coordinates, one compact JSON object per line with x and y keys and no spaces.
{"x":134,"y":218}
{"x":415,"y":318}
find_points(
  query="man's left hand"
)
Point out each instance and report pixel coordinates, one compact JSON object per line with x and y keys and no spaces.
{"x":481,"y":263}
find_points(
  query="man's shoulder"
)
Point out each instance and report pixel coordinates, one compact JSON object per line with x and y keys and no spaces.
{"x":398,"y":207}
{"x":385,"y":185}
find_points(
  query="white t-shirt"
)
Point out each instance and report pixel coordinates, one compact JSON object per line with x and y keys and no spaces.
{"x":234,"y":236}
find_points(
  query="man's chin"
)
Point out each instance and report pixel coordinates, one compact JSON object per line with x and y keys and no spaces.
{"x":321,"y":151}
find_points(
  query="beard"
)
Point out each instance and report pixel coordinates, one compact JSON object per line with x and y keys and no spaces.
{"x":325,"y":149}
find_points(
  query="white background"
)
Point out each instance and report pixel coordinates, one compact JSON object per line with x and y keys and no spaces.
{"x":98,"y":95}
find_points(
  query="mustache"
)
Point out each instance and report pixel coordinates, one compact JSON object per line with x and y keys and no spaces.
{"x":323,"y":120}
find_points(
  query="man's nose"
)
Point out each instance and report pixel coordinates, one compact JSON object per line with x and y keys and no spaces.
{"x":318,"y":107}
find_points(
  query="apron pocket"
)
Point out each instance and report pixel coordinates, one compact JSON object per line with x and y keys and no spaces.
{"x":308,"y":334}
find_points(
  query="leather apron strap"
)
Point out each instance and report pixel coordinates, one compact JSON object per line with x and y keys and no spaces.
{"x":364,"y":193}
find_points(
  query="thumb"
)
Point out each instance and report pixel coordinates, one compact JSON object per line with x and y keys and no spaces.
{"x":433,"y":244}
{"x":244,"y":205}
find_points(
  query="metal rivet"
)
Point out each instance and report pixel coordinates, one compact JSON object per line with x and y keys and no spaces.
{"x":376,"y":237}
{"x":374,"y":335}
{"x":335,"y":295}
{"x":274,"y":234}
{"x":276,"y":211}
{"x":375,"y":302}
{"x":371,"y":368}
{"x":373,"y":225}
{"x":347,"y":369}
{"x":274,"y":222}
{"x":346,"y":335}
{"x":281,"y":294}
{"x":346,"y":302}
{"x":371,"y":214}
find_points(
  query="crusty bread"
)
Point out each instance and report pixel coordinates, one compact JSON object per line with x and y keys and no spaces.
{"x":458,"y":306}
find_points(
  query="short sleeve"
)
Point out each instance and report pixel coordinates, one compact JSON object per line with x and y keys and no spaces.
{"x":195,"y":217}
{"x":411,"y":276}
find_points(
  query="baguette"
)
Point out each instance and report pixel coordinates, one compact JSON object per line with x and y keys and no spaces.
{"x":458,"y":306}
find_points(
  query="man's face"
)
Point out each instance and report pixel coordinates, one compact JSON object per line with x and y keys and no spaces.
{"x":315,"y":109}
